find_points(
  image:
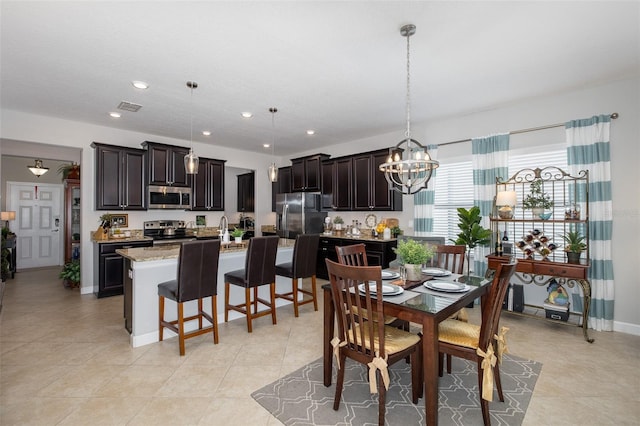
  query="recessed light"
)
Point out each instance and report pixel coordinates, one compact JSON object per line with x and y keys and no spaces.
{"x":115,"y":114}
{"x":247,"y":114}
{"x":206,"y":133}
{"x":311,"y":132}
{"x":266,"y":145}
{"x":140,"y":85}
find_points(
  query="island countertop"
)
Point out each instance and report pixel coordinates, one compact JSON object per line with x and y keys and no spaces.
{"x":171,"y":251}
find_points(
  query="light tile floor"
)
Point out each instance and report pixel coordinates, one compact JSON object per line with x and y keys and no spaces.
{"x":66,"y":360}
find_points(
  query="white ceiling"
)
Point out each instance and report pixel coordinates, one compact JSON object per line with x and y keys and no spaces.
{"x":337,"y":67}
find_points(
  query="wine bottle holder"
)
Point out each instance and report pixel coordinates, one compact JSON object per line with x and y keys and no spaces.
{"x":536,"y":243}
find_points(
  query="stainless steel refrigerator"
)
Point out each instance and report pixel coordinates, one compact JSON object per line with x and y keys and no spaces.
{"x":299,"y":213}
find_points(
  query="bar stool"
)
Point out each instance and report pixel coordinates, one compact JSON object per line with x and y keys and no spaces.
{"x":197,"y":278}
{"x":259,"y":269}
{"x":303,"y":265}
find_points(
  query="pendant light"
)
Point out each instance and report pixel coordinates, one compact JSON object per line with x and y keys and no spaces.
{"x":273,"y":169}
{"x":409,"y":166}
{"x":38,"y":169}
{"x":191,"y":160}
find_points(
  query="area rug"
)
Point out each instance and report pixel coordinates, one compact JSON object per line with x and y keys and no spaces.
{"x":300,"y":398}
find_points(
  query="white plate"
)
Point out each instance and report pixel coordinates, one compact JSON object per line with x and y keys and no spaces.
{"x":387,"y":289}
{"x":390,"y":275}
{"x":436,"y":272}
{"x":446,"y":286}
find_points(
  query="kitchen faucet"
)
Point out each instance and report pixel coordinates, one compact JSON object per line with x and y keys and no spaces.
{"x":224,"y":224}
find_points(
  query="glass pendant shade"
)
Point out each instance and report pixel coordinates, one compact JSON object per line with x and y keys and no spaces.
{"x":273,"y":173}
{"x":191,"y":162}
{"x":38,"y":169}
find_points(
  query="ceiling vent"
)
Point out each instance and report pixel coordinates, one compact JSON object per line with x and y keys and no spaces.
{"x":129,"y":106}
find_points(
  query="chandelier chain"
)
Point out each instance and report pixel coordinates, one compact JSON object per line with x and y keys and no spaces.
{"x":408,"y":132}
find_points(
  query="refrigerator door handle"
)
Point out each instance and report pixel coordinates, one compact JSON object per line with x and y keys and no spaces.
{"x":285,"y":224}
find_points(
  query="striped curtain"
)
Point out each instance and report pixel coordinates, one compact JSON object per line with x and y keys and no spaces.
{"x":588,"y":149}
{"x":423,"y":202}
{"x":490,"y":157}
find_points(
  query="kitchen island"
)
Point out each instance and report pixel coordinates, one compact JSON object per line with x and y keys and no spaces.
{"x":146,"y":267}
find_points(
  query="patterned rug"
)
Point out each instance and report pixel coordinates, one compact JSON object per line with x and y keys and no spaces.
{"x":300,"y":398}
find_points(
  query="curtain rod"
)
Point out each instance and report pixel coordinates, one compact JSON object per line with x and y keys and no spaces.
{"x":532,"y":129}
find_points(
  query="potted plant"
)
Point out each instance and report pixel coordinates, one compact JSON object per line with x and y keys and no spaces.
{"x":237,"y":234}
{"x":413,"y":255}
{"x":575,"y":244}
{"x":537,"y":200}
{"x":71,"y":274}
{"x":472,"y":233}
{"x":396,"y":231}
{"x":337,"y":223}
{"x":4,"y":259}
{"x":69,"y":171}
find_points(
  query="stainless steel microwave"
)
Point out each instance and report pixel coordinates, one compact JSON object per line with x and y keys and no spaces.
{"x":169,"y":197}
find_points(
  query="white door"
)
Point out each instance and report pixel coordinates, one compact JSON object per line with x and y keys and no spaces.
{"x":37,"y":224}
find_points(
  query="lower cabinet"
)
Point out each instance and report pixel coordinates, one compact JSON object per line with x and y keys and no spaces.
{"x":108,"y":274}
{"x":379,"y":252}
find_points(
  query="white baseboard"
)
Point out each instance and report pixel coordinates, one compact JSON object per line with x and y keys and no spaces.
{"x":628,"y":328}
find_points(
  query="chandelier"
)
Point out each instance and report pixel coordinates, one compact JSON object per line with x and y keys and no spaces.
{"x":38,"y":169}
{"x":191,"y":160}
{"x":409,"y":166}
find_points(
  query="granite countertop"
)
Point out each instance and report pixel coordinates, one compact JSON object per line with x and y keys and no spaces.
{"x":361,"y":237}
{"x":171,"y":251}
{"x":133,"y":237}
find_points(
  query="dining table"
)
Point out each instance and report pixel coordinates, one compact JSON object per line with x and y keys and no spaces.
{"x":427,"y":301}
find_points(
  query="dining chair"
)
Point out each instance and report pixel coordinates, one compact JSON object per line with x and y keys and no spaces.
{"x":302,"y":265}
{"x":197,"y":278}
{"x":475,"y":343}
{"x":450,"y":257}
{"x":368,"y":342}
{"x":356,"y":255}
{"x":259,"y":269}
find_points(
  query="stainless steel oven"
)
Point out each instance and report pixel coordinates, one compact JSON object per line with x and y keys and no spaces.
{"x":169,"y":197}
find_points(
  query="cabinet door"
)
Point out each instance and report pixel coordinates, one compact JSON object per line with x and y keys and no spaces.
{"x":298,"y":181}
{"x":177,"y":171}
{"x":108,"y":178}
{"x":199,"y":188}
{"x":134,"y":196}
{"x":362,"y":182}
{"x":215,"y":173}
{"x":284,"y":180}
{"x":159,"y":159}
{"x":342,"y":185}
{"x":382,"y":196}
{"x":245,"y":192}
{"x":111,"y":278}
{"x":328,"y":171}
{"x":313,"y":174}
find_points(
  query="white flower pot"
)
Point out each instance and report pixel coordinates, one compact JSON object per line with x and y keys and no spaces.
{"x":238,"y":240}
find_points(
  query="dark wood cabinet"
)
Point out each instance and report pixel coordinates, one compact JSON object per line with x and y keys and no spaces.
{"x":371,"y":189}
{"x":108,"y":277}
{"x":120,"y":177}
{"x":379,"y":252}
{"x":246,"y":193}
{"x":306,"y":173}
{"x":71,"y":219}
{"x":208,"y":185}
{"x":343,"y":184}
{"x":328,"y":172}
{"x":166,"y":164}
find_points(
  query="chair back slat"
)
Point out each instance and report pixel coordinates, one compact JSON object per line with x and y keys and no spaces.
{"x":260,"y":263}
{"x":305,"y":255}
{"x":450,"y":257}
{"x":492,"y":308}
{"x":353,"y":255}
{"x":364,"y":337}
{"x":198,"y":270}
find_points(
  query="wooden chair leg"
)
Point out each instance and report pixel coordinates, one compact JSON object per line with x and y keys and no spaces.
{"x":484,"y":404}
{"x":200,"y":314}
{"x":440,"y":363}
{"x":247,"y":306}
{"x":214,"y":317}
{"x":226,"y":302}
{"x":496,"y":375}
{"x":181,"y":327}
{"x":416,"y":377}
{"x":161,"y":320}
{"x":382,"y":399}
{"x":255,"y":300}
{"x":294,"y":289}
{"x":314,"y":292}
{"x":273,"y":302}
{"x":339,"y":383}
{"x":449,"y":363}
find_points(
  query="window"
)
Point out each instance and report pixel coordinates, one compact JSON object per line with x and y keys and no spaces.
{"x":454,"y":186}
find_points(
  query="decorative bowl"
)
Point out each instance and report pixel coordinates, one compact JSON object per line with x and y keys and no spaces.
{"x":545,"y":216}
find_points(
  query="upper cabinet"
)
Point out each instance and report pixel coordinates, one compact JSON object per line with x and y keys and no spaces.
{"x":328,"y":172}
{"x":120,"y":177}
{"x":343,"y":184}
{"x":306,"y":173}
{"x":282,"y":186}
{"x":371,"y":190}
{"x":166,"y":164}
{"x":208,"y":185}
{"x":246,"y":192}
